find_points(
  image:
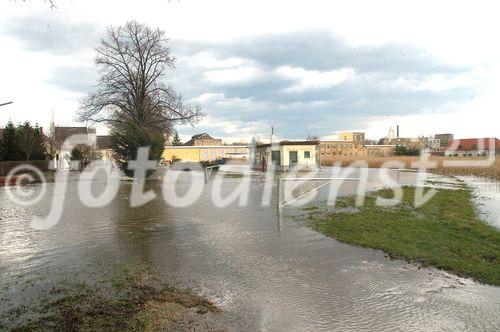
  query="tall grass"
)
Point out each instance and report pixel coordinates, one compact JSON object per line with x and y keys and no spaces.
{"x":491,"y":171}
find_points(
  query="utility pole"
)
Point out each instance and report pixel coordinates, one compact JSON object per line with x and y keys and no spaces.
{"x":8,"y":103}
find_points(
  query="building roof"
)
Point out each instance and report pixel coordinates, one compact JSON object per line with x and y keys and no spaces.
{"x":62,"y":133}
{"x":202,"y":136}
{"x":473,"y":144}
{"x":289,"y":143}
{"x":104,"y":142}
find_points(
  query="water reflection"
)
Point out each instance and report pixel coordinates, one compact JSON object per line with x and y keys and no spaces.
{"x":264,"y":274}
{"x":488,"y":197}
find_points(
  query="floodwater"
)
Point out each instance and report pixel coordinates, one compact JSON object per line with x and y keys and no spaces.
{"x":265,"y":274}
{"x":487,"y":196}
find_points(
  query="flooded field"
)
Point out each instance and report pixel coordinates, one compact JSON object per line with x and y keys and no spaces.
{"x":264,"y":274}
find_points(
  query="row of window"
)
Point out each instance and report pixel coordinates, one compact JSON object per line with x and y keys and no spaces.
{"x":339,"y":154}
{"x":338,"y":146}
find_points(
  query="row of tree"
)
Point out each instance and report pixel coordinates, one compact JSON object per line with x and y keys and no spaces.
{"x":403,"y":150}
{"x":22,"y":142}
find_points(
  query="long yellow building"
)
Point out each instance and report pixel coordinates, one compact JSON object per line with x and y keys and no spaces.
{"x":205,"y":153}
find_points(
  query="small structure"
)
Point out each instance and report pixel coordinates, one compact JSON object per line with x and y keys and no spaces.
{"x":473,"y":147}
{"x":286,"y":156}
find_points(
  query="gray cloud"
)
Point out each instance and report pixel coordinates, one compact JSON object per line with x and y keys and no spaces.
{"x":267,"y":99}
{"x":78,"y":79}
{"x":374,"y":91}
{"x":47,"y":34}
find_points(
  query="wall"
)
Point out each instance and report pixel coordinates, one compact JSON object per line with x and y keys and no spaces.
{"x":185,"y":154}
{"x":201,"y":153}
{"x":6,"y":166}
{"x":285,"y":154}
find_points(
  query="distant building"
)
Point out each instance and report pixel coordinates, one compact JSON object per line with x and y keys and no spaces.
{"x":351,"y":144}
{"x":203,"y":140}
{"x":352,"y":136}
{"x":205,"y":153}
{"x":444,"y":139}
{"x":473,"y":147}
{"x":286,"y":156}
{"x":329,"y":150}
{"x":410,"y":143}
{"x":379,"y":150}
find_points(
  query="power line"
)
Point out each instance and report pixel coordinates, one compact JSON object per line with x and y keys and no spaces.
{"x":10,"y":102}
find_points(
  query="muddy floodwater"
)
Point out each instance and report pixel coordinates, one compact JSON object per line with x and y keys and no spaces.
{"x":264,"y":273}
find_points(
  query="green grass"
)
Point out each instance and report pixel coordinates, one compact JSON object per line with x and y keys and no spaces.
{"x":131,"y":300}
{"x":445,"y":232}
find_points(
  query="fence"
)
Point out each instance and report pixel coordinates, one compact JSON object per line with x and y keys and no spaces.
{"x":316,"y":184}
{"x":7,"y":166}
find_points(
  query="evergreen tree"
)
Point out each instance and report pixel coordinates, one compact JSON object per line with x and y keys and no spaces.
{"x":2,"y":149}
{"x":12,"y":149}
{"x":126,"y":143}
{"x":176,"y":141}
{"x":39,"y":151}
{"x":25,"y":140}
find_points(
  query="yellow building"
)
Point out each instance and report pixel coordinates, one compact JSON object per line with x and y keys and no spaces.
{"x":329,"y":150}
{"x":352,"y":136}
{"x":350,"y":144}
{"x":205,"y":153}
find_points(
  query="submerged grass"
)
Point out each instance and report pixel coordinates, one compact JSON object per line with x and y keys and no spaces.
{"x":132,"y":300}
{"x":445,"y":232}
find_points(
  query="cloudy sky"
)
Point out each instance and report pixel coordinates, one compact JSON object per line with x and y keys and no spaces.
{"x":306,"y":67}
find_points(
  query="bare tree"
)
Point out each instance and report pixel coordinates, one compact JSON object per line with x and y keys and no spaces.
{"x":312,"y":138}
{"x":132,"y":61}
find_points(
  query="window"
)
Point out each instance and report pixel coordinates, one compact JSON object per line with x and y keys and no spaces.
{"x":307,"y":154}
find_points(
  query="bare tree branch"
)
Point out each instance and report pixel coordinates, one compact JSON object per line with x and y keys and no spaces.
{"x":132,"y":61}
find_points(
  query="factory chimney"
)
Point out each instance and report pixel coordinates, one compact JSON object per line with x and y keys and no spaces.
{"x":397,"y":131}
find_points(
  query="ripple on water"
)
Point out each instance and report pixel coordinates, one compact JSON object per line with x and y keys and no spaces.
{"x":264,"y":275}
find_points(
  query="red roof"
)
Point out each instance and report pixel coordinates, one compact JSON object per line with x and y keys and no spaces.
{"x":473,"y":144}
